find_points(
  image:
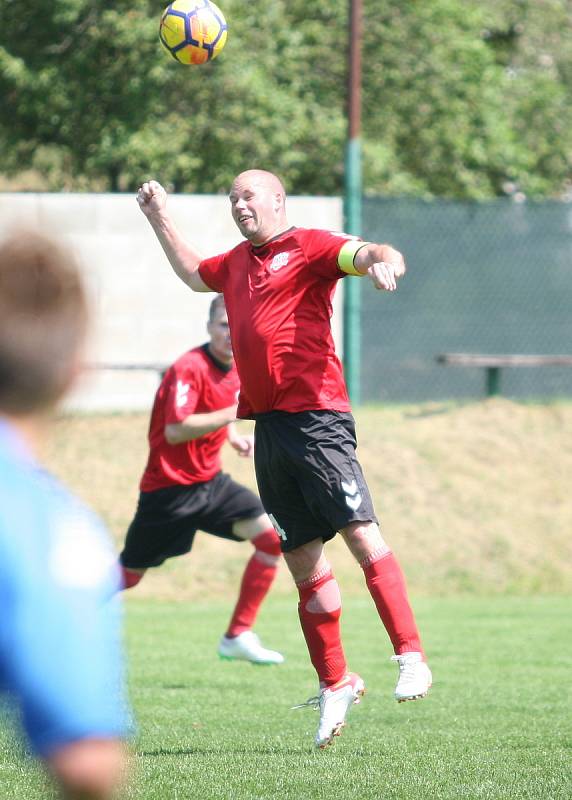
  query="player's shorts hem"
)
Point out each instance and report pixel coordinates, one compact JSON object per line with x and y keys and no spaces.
{"x":145,"y":564}
{"x":288,"y":547}
{"x":166,"y":521}
{"x":300,"y":541}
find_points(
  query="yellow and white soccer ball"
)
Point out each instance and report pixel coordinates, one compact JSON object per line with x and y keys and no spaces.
{"x":193,"y":31}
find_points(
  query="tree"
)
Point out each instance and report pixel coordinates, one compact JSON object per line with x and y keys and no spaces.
{"x":532,"y":40}
{"x":461,"y":99}
{"x":75,"y":76}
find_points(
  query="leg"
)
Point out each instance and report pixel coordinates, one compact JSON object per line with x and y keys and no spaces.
{"x":259,"y":573}
{"x":294,"y":456}
{"x":319,"y":609}
{"x":239,"y":641}
{"x":386,"y":584}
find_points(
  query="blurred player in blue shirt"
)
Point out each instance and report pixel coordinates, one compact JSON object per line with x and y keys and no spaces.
{"x":60,"y":650}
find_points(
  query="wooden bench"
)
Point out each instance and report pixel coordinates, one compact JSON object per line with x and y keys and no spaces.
{"x":493,"y":364}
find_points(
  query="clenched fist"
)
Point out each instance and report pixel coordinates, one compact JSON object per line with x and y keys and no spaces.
{"x":152,"y":198}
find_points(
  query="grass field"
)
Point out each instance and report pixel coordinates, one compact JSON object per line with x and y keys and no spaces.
{"x":475,"y":500}
{"x":496,"y":725}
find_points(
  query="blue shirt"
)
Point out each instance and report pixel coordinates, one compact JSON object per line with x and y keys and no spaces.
{"x":60,"y":637}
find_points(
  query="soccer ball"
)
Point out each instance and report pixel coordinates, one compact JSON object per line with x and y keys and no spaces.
{"x":193,"y":31}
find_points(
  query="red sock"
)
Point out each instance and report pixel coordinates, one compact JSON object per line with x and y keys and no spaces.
{"x":129,"y":578}
{"x":386,"y":584}
{"x":320,"y":608}
{"x":256,"y":581}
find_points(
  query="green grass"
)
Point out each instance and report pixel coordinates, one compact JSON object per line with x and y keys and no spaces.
{"x":496,"y":725}
{"x":474,"y":498}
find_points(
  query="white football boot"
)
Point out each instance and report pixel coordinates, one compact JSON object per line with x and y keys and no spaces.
{"x":247,"y":647}
{"x":414,"y":677}
{"x":334,"y":702}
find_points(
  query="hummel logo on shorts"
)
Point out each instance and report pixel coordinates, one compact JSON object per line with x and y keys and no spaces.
{"x":353,"y":497}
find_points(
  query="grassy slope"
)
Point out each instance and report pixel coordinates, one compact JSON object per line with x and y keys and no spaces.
{"x":471,"y":497}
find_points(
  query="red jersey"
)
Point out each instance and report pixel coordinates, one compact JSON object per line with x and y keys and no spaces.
{"x":278,"y":299}
{"x":194,"y":384}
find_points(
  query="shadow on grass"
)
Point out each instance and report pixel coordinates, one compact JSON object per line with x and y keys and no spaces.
{"x":216,"y":751}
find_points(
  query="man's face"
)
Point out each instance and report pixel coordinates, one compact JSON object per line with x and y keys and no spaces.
{"x":255,"y":207}
{"x":219,"y":331}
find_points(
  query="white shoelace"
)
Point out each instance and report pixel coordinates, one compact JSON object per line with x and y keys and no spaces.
{"x":311,"y":702}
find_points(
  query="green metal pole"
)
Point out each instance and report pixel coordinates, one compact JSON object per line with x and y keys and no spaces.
{"x":352,"y":207}
{"x":352,"y":285}
{"x":493,"y":381}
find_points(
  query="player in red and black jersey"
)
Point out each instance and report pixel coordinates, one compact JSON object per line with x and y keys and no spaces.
{"x":183,"y":488}
{"x":278,"y":287}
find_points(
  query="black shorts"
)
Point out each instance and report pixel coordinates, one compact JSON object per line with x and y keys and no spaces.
{"x":167,"y":520}
{"x":309,"y":479}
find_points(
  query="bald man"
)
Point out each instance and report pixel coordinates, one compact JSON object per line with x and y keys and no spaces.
{"x":278,"y":286}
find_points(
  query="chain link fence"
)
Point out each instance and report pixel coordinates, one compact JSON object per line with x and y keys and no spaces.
{"x":490,"y":278}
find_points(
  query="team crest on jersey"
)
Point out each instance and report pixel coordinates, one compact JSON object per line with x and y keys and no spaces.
{"x":280,"y":260}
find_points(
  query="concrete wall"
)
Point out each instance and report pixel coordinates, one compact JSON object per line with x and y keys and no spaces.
{"x":143,"y":313}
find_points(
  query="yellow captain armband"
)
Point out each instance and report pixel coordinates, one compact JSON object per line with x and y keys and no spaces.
{"x":347,"y":254}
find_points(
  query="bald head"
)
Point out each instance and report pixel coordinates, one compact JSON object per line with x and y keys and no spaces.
{"x":258,"y":207}
{"x":262,"y":178}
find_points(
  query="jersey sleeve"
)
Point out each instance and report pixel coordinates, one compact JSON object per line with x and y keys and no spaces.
{"x":330,"y":253}
{"x":61,"y":641}
{"x":185,"y":385}
{"x":213,"y":272}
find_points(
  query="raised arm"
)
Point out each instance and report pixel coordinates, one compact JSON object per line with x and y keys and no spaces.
{"x":183,"y":257}
{"x":383,"y":263}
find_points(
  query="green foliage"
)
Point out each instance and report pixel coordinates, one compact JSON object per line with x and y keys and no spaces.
{"x":460,"y":99}
{"x":532,"y":40}
{"x":81,"y":79}
{"x":439,"y":101}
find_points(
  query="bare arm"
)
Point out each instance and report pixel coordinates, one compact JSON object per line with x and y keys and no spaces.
{"x":242,"y":443}
{"x":183,"y":257}
{"x":196,"y":425}
{"x":383,"y":263}
{"x":89,"y":769}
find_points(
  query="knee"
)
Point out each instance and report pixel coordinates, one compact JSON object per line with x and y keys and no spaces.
{"x":364,"y":538}
{"x":268,"y":542}
{"x":326,"y":599}
{"x":361,"y":530}
{"x":307,"y":563}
